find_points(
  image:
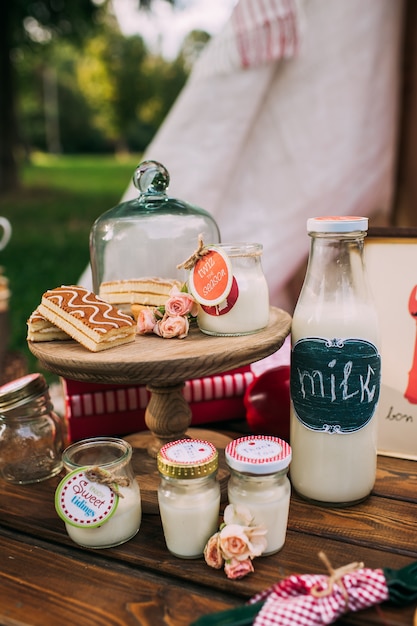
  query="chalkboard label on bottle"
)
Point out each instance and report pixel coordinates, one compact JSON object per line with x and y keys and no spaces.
{"x":335,"y":383}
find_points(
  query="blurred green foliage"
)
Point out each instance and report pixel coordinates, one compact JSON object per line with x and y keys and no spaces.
{"x":51,"y":217}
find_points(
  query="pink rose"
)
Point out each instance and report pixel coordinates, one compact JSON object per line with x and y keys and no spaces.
{"x":242,"y":542}
{"x":172,"y":326}
{"x":212,"y":553}
{"x":238,"y":569}
{"x":180,"y":303}
{"x":146,"y":321}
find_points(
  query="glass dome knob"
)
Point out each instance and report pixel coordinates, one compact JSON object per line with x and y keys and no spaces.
{"x":151,"y":177}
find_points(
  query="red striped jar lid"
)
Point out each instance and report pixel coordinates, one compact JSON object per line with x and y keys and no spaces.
{"x":258,"y":454}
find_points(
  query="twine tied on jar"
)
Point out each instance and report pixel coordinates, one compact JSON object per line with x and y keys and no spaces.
{"x":99,"y":475}
{"x":198,"y":254}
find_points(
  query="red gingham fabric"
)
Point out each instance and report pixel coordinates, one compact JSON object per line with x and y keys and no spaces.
{"x":291,"y":603}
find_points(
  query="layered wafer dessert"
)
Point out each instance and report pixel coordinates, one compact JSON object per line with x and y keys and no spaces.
{"x":134,"y":294}
{"x":41,"y":329}
{"x":87,"y":318}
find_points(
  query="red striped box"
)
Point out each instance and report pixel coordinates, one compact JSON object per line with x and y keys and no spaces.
{"x":96,"y":409}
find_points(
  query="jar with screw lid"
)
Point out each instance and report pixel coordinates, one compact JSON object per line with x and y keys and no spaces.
{"x":32,"y":435}
{"x":258,"y":480}
{"x":188,"y":495}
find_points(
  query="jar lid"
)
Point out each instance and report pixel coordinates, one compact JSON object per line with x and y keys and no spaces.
{"x":187,"y":458}
{"x":258,"y":454}
{"x":21,"y":390}
{"x":337,"y":224}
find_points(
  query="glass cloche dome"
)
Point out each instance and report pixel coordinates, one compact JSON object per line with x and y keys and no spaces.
{"x":150,"y":235}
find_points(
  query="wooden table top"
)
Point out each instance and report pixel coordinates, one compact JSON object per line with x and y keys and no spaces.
{"x":46,"y":580}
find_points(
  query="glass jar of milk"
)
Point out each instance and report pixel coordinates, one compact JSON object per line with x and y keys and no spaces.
{"x":335,"y":368}
{"x":188,"y":495}
{"x":99,"y":499}
{"x":258,"y":480}
{"x":229,"y":284}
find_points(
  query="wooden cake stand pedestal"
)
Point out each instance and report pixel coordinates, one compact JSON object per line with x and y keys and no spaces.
{"x":163,"y":365}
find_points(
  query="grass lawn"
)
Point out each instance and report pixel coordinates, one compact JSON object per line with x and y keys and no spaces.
{"x":51,"y":217}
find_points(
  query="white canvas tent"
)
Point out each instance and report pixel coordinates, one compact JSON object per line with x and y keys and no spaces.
{"x":290,"y":112}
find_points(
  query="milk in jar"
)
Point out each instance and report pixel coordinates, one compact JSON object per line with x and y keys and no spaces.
{"x":188,"y":495}
{"x":229,"y":284}
{"x":335,"y":369}
{"x":258,"y":481}
{"x":99,"y":498}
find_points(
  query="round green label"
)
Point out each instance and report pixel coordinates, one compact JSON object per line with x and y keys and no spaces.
{"x":335,"y":383}
{"x":82,"y":502}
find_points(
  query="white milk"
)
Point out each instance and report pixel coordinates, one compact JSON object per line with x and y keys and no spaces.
{"x":333,"y":468}
{"x":120,"y":527}
{"x":250,"y":312}
{"x":189,"y":520}
{"x":269,"y":503}
{"x":258,"y":481}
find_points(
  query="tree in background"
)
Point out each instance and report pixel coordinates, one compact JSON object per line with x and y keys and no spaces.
{"x":71,"y":82}
{"x":129,"y":90}
{"x":25,"y":23}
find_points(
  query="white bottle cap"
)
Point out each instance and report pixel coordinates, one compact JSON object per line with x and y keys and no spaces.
{"x":258,"y":454}
{"x":337,"y":224}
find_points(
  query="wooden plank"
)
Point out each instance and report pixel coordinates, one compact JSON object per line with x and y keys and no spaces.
{"x":379,"y":529}
{"x":382,"y":523}
{"x":380,"y":532}
{"x":43,"y":585}
{"x":39,"y":587}
{"x":396,"y":478}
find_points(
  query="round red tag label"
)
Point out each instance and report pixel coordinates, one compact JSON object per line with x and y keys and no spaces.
{"x":211,"y":278}
{"x":82,"y":502}
{"x":225,"y":305}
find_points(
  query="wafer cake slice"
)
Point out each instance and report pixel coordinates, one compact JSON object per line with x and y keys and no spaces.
{"x":41,"y":329}
{"x":88,"y":319}
{"x":145,"y":291}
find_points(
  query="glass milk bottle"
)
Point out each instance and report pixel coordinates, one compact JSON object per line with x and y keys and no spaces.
{"x":258,"y":480}
{"x":335,"y":369}
{"x":188,"y":495}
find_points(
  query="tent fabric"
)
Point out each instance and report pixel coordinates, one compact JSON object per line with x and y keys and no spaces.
{"x":290,"y":112}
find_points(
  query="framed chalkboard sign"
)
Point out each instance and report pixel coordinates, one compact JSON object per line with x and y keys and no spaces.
{"x":391,"y":263}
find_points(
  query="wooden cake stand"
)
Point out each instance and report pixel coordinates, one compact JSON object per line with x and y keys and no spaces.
{"x":163,"y":365}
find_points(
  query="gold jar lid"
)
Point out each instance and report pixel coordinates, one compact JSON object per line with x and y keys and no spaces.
{"x":187,"y":458}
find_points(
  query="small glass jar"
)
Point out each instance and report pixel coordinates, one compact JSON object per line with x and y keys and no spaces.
{"x":100,"y":498}
{"x":188,"y":495}
{"x":32,"y":436}
{"x":245,"y":309}
{"x":258,"y":480}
